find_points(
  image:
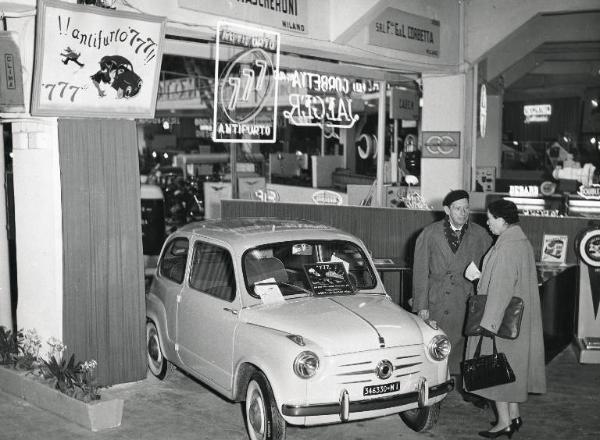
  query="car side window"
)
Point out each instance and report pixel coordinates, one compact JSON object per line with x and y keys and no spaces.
{"x":172,"y":265}
{"x":212,"y":271}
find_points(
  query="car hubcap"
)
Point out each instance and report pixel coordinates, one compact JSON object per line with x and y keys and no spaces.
{"x":256,"y":415}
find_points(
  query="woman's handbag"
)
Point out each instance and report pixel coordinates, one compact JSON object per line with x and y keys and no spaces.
{"x":511,"y":323}
{"x":486,"y":371}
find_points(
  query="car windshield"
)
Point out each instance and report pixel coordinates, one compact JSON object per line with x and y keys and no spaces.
{"x":307,"y":267}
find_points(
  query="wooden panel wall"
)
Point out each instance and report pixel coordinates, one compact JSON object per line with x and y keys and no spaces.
{"x":392,"y":232}
{"x":104,"y":305}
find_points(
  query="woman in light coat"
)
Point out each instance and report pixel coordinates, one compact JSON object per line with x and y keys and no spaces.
{"x":509,"y":270}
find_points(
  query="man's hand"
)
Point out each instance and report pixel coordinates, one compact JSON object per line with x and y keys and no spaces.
{"x":423,"y":314}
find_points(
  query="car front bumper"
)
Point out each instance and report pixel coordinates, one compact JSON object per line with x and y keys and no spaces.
{"x":345,"y":407}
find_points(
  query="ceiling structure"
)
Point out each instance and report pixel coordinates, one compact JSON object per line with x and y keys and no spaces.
{"x":551,"y":56}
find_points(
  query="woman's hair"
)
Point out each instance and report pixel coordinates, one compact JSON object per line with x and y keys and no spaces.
{"x":504,"y":209}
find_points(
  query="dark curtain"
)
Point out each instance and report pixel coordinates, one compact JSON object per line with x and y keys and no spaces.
{"x":103,"y":305}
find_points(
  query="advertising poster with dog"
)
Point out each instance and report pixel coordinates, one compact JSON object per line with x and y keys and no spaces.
{"x":98,"y":62}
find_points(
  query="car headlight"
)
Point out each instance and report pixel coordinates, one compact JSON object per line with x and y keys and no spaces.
{"x":439,"y":347}
{"x":306,"y":364}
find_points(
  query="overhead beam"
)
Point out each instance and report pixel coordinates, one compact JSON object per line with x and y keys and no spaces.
{"x":571,"y":27}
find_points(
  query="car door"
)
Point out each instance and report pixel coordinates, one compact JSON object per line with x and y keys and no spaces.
{"x":169,"y":281}
{"x":207,"y":315}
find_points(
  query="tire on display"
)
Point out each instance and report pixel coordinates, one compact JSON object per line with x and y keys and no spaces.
{"x":157,"y":363}
{"x":263,"y":420}
{"x":421,"y":419}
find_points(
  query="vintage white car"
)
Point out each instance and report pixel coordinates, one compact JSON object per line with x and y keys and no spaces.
{"x":291,"y":318}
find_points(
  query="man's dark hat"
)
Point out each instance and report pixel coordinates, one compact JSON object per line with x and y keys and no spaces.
{"x":455,"y":195}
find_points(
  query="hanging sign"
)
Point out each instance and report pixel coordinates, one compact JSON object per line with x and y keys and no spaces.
{"x":537,"y":113}
{"x":404,"y":104}
{"x":92,"y":61}
{"x":245,"y":98}
{"x":11,"y":75}
{"x":399,"y":30}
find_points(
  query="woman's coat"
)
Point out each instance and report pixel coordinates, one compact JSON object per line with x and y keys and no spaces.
{"x":439,"y":284}
{"x":509,"y":270}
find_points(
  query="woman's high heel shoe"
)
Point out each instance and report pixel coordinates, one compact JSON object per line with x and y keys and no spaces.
{"x":516,"y":423}
{"x":508,"y":431}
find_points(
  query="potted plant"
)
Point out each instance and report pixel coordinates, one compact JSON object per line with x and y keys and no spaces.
{"x":64,"y":387}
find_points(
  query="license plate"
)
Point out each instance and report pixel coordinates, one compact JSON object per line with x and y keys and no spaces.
{"x":373,"y":390}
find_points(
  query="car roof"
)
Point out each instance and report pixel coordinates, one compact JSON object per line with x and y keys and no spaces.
{"x":246,"y":232}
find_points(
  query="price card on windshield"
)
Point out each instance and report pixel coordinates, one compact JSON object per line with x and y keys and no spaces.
{"x":328,"y":278}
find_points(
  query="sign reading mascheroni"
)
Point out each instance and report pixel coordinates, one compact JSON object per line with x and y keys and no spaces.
{"x":399,"y":30}
{"x":290,"y":15}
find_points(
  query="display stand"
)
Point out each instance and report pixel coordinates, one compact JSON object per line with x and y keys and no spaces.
{"x":587,"y":338}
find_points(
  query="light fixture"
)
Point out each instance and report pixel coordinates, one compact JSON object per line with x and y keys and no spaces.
{"x":593,"y":140}
{"x":166,"y":155}
{"x":154,"y":154}
{"x":594,"y":102}
{"x":515,"y":143}
{"x":166,"y":125}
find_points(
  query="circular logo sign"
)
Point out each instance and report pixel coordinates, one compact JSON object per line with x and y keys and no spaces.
{"x":589,"y":247}
{"x":245,"y":84}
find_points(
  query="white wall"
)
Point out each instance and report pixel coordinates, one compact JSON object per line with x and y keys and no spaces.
{"x":37,"y":189}
{"x":443,"y":110}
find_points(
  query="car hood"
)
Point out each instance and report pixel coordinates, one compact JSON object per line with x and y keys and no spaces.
{"x":340,"y":324}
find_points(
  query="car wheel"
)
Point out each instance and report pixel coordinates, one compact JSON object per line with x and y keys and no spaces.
{"x":421,"y":419}
{"x":157,"y":363}
{"x":263,"y":420}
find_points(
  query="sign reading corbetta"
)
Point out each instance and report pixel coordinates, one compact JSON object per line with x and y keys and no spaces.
{"x":245,"y":98}
{"x":399,"y":30}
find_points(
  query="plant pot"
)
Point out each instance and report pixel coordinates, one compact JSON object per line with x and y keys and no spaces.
{"x":97,"y":415}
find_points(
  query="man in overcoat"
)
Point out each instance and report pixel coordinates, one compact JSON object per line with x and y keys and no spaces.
{"x":443,"y":251}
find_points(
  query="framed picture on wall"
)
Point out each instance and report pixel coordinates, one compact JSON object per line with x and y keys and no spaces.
{"x":554,"y":249}
{"x":95,"y":62}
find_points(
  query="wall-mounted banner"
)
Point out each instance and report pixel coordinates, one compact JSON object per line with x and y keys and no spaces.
{"x":399,"y":30}
{"x":245,"y":98}
{"x":441,"y":144}
{"x":289,"y":15}
{"x":11,"y":75}
{"x":96,"y":62}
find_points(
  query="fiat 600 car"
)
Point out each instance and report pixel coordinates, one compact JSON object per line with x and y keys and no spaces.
{"x":291,"y":318}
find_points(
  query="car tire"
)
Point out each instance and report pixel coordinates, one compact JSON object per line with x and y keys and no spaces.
{"x":263,"y":420}
{"x":158,"y":365}
{"x":421,"y":419}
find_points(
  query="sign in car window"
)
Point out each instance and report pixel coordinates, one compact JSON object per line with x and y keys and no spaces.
{"x":328,"y":278}
{"x":245,"y":98}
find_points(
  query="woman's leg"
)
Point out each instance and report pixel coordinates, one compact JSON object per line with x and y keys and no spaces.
{"x":504,"y":419}
{"x":513,"y":410}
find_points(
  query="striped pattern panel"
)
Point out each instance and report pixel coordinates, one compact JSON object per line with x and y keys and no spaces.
{"x":104,"y":306}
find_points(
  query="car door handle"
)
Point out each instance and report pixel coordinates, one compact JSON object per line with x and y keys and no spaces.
{"x":227,"y":309}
